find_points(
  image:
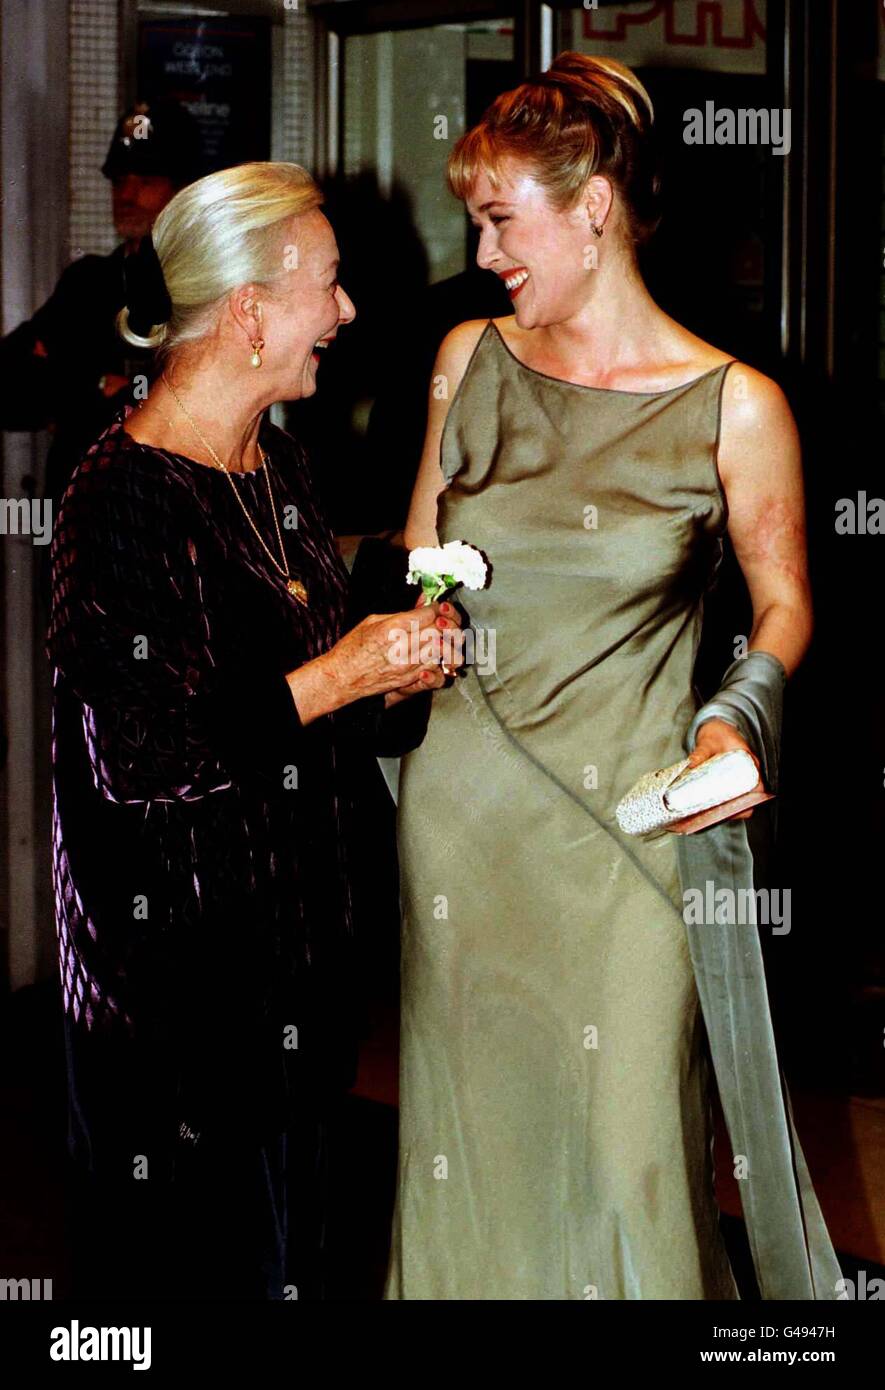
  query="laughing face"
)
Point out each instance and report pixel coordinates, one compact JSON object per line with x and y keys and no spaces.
{"x":539,"y":252}
{"x":302,"y":317}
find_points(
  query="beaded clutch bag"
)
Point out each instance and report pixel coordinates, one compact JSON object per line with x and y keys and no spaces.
{"x":673,"y":798}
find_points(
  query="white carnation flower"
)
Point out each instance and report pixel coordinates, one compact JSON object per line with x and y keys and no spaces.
{"x":426,"y":559}
{"x":440,"y":568}
{"x":466,"y":563}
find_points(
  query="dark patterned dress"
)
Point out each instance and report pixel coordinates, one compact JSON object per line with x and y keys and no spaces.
{"x":200,"y":838}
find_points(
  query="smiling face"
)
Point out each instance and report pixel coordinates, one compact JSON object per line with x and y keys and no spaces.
{"x":304,"y":309}
{"x":539,"y":252}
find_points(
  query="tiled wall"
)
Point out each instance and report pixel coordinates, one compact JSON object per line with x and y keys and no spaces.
{"x":94,"y":108}
{"x":297,"y":88}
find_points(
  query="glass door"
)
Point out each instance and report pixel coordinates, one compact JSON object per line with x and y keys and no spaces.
{"x":408,"y":95}
{"x":404,"y":95}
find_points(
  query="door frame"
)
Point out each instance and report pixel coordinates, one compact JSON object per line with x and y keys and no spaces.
{"x":337,"y":20}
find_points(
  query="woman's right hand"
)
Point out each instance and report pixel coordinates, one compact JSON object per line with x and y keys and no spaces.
{"x":385,"y":652}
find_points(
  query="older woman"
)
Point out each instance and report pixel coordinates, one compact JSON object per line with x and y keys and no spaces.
{"x":208,"y":700}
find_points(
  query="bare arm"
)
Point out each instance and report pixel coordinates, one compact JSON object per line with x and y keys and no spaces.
{"x":761,"y":470}
{"x":455,"y":352}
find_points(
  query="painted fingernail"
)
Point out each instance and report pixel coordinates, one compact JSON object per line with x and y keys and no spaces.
{"x":445,"y":608}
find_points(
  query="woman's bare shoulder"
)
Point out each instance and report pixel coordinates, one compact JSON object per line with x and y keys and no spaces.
{"x":455,"y":354}
{"x":459,"y":344}
{"x":752,"y":400}
{"x":758,"y":434}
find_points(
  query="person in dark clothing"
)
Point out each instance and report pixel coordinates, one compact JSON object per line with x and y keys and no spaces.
{"x":66,"y":368}
{"x":213,"y":706}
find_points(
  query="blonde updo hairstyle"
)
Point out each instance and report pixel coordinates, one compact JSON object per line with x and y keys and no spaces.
{"x":581,"y":117}
{"x":222,"y":231}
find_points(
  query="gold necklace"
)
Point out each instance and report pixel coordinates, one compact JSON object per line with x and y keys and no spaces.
{"x":294,"y":586}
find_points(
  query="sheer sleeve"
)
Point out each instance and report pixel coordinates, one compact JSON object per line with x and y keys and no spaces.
{"x":170,"y":712}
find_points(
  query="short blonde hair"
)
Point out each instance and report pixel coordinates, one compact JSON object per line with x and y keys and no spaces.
{"x":218,"y":233}
{"x":583,"y":116}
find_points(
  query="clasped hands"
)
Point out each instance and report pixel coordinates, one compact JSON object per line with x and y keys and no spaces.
{"x":396,"y":655}
{"x":440,"y":644}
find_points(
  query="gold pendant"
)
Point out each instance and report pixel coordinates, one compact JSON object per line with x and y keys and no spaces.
{"x":297,"y":590}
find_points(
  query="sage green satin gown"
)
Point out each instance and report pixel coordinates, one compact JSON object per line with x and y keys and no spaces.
{"x":555,"y":1127}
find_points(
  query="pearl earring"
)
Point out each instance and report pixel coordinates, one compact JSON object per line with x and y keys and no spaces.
{"x":257,"y":343}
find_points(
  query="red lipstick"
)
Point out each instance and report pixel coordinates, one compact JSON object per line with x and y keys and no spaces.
{"x":517,"y":270}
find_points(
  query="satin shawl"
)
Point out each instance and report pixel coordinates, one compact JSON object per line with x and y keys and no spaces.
{"x":792,"y":1252}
